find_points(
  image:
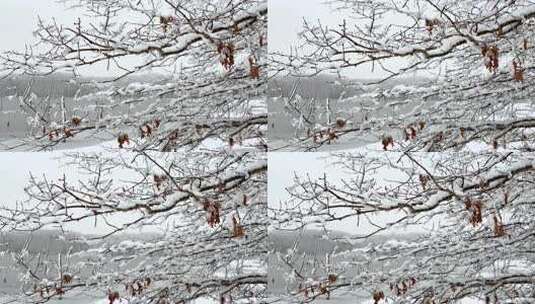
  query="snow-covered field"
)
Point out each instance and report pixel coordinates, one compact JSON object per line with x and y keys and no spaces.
{"x":352,"y":300}
{"x":86,"y":299}
{"x":69,"y":300}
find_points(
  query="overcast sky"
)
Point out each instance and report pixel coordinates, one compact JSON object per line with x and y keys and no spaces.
{"x":18,"y":20}
{"x":286,"y":17}
{"x":286,"y":20}
{"x":19,"y":17}
{"x":283,"y":166}
{"x":15,"y":170}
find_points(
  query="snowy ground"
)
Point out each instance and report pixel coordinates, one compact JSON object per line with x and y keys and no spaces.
{"x":79,"y":299}
{"x":87,"y":300}
{"x":352,"y":300}
{"x":13,"y":144}
{"x":347,"y":298}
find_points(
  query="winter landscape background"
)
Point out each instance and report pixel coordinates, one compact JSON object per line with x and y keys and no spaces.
{"x":134,"y":139}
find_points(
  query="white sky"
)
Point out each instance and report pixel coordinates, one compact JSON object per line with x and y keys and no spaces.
{"x":19,"y":17}
{"x":286,"y":20}
{"x":15,"y":169}
{"x":284,"y":165}
{"x":18,"y":20}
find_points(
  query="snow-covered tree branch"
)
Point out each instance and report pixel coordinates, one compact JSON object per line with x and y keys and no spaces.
{"x":476,"y":57}
{"x":189,"y":78}
{"x":209,"y":57}
{"x":473,"y":213}
{"x":210,"y":222}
